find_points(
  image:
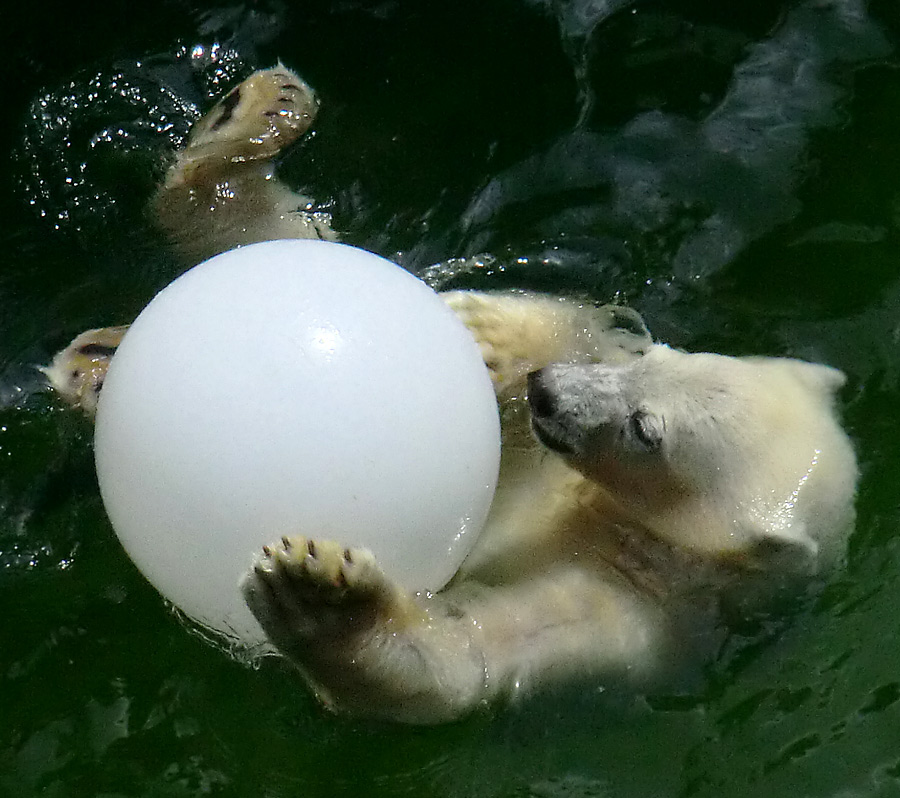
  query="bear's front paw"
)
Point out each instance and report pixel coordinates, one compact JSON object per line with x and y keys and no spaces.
{"x":303,"y":588}
{"x":500,"y":327}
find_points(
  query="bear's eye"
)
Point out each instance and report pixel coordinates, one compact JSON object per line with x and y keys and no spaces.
{"x":647,"y":428}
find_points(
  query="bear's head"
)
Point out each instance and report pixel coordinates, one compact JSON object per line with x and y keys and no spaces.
{"x":738,"y":457}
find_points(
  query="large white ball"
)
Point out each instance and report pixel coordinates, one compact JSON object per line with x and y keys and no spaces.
{"x":294,"y":387}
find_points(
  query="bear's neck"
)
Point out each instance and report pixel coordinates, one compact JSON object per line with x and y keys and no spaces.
{"x":574,"y":520}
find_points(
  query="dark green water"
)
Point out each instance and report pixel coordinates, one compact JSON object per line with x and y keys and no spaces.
{"x":731,"y":169}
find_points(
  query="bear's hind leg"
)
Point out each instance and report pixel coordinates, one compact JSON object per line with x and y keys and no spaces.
{"x":78,"y":371}
{"x":258,"y":118}
{"x":222,"y":192}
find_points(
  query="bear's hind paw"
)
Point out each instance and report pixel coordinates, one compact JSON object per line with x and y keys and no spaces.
{"x":269,"y":110}
{"x":78,"y":371}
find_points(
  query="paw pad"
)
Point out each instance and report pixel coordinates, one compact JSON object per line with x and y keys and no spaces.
{"x":313,"y":571}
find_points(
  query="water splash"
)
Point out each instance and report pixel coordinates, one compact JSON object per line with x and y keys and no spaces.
{"x":93,"y":148}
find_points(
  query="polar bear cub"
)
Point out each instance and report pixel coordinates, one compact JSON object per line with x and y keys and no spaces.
{"x":637,"y":482}
{"x":652,"y":477}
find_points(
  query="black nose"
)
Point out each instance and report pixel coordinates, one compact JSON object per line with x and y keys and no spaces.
{"x":540,"y":397}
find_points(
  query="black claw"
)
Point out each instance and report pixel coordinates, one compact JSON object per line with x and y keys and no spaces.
{"x":228,"y":106}
{"x":311,"y":547}
{"x":267,"y":551}
{"x":285,"y":541}
{"x":348,"y":556}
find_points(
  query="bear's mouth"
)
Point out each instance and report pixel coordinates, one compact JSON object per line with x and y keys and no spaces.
{"x":551,"y":435}
{"x":544,"y":421}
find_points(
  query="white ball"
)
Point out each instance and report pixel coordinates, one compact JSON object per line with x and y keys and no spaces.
{"x":294,"y":387}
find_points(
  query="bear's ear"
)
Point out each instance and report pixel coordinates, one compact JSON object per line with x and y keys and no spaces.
{"x":823,"y":379}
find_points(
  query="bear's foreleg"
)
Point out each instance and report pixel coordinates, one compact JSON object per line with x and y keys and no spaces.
{"x":364,"y":644}
{"x":522,"y":332}
{"x":369,"y":647}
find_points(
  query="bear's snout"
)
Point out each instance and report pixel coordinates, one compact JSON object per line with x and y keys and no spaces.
{"x":541,"y":398}
{"x":543,"y":401}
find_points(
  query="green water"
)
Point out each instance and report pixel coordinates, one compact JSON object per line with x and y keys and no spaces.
{"x":571,"y":140}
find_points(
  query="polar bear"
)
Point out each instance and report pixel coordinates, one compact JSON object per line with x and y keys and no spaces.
{"x":638,"y":483}
{"x":653,"y":484}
